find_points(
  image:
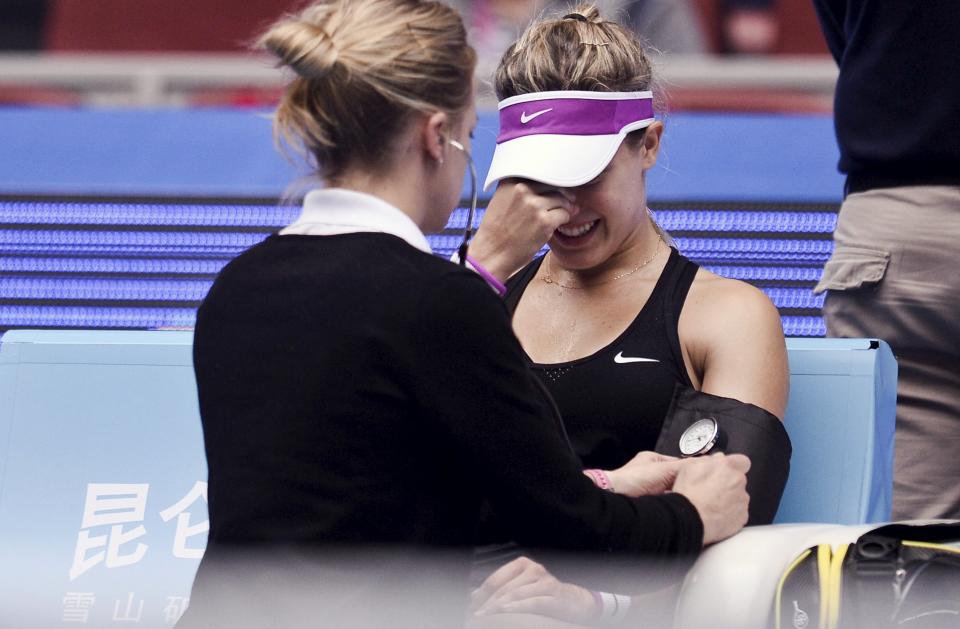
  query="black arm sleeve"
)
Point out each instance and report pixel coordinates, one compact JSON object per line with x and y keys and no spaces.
{"x":481,"y":398}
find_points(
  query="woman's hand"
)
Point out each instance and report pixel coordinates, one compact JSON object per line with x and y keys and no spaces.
{"x":520,"y":219}
{"x":525,"y":587}
{"x":646,"y":474}
{"x":716,"y":485}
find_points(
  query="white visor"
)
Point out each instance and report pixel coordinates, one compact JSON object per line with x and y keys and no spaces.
{"x":565,"y":138}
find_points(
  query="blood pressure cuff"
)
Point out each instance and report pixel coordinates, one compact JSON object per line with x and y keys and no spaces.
{"x":744,"y":429}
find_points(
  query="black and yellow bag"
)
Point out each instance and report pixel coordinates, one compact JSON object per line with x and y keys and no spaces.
{"x":898,"y":575}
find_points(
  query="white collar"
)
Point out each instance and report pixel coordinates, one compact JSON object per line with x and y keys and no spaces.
{"x":333,"y":211}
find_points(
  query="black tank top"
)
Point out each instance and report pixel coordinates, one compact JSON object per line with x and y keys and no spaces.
{"x":614,"y":401}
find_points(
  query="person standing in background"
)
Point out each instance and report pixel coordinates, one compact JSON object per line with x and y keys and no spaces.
{"x":22,"y":25}
{"x":893,"y":274}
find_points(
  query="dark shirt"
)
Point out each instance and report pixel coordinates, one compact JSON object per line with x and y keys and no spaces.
{"x":898,"y":93}
{"x":356,"y":390}
{"x":614,"y":401}
{"x":22,"y":24}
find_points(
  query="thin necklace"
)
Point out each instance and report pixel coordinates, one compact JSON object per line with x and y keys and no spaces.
{"x":548,"y":278}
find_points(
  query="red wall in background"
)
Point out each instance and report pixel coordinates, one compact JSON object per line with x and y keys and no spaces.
{"x":229,"y":25}
{"x":160,"y":25}
{"x":799,"y":30}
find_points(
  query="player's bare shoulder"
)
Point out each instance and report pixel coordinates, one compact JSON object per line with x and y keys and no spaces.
{"x":732,"y":333}
{"x":717,"y":304}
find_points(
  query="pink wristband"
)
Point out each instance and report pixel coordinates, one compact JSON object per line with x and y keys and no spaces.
{"x":600,"y":479}
{"x":494,"y":283}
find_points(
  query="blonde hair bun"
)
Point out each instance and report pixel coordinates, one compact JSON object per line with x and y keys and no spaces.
{"x":303,"y":46}
{"x":363,"y":68}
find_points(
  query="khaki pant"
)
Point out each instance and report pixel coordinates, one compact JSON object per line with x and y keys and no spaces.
{"x":895,"y":275}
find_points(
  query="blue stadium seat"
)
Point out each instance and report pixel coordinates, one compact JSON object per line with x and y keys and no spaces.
{"x":840,"y":418}
{"x":129,"y":239}
{"x":147,"y":265}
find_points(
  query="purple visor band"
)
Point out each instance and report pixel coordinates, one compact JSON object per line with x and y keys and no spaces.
{"x":571,"y":116}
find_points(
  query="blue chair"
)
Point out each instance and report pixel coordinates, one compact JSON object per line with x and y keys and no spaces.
{"x":840,"y":418}
{"x":102,"y":519}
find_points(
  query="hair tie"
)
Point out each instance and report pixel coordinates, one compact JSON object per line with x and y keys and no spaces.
{"x":576,"y":16}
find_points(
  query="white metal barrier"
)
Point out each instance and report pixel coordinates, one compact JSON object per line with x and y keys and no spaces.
{"x":157,"y":80}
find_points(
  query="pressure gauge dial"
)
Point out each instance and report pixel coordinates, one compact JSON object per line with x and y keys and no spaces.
{"x":700,"y":437}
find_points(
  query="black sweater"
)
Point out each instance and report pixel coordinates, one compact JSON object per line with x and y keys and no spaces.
{"x":354,"y":389}
{"x":898,"y":95}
